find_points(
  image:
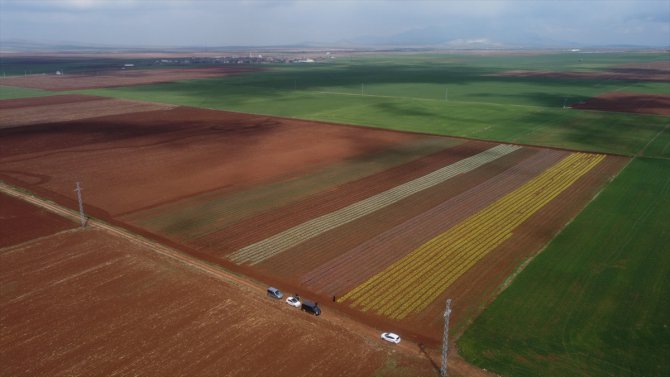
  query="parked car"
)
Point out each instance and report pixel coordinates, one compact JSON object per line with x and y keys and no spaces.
{"x":391,"y":337}
{"x":293,"y":302}
{"x":310,"y":307}
{"x":275,"y":293}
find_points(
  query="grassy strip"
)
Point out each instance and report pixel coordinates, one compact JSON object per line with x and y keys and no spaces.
{"x":595,"y":302}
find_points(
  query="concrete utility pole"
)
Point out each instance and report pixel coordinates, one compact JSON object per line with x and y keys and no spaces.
{"x":445,"y":339}
{"x":446,"y":94}
{"x":82,"y":216}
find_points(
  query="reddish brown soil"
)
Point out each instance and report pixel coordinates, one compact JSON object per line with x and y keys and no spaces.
{"x":88,"y":303}
{"x":48,"y":100}
{"x":20,"y":222}
{"x":134,"y":161}
{"x":107,"y":79}
{"x":655,"y":71}
{"x":266,"y":224}
{"x":355,"y":239}
{"x":628,"y":103}
{"x":42,"y":110}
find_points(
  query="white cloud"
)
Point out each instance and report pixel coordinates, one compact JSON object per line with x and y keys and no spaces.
{"x":209,"y":22}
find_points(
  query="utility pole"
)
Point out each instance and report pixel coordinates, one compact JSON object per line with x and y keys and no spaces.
{"x":445,"y":339}
{"x":82,"y":216}
{"x":446,"y":94}
{"x":361,"y":88}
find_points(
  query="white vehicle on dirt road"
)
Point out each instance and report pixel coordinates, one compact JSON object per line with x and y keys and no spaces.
{"x":293,"y":302}
{"x":391,"y":337}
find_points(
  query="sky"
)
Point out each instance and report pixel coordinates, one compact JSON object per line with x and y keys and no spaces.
{"x":212,"y":23}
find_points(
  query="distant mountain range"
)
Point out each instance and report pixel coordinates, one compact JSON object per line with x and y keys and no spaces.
{"x":421,"y":38}
{"x":442,"y":37}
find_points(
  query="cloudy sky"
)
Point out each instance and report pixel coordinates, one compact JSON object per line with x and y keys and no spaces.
{"x":283,"y":22}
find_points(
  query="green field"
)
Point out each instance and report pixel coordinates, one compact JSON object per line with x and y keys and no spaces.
{"x":596,"y":302}
{"x":440,"y":94}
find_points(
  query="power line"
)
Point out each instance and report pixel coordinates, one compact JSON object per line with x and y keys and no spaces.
{"x":445,"y":339}
{"x":82,"y":216}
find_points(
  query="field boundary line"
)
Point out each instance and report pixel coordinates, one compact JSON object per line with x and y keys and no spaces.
{"x":202,"y":266}
{"x":643,"y":149}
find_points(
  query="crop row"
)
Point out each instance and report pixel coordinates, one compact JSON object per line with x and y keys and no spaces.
{"x":355,"y":266}
{"x":461,"y":248}
{"x":280,"y":242}
{"x":267,"y":223}
{"x":413,"y":282}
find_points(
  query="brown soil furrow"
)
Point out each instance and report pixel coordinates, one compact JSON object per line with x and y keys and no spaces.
{"x":149,"y":158}
{"x":47,"y":100}
{"x":355,"y":266}
{"x":70,"y":111}
{"x":118,"y":77}
{"x":313,"y":253}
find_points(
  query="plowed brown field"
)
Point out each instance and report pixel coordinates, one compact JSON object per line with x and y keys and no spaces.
{"x":107,"y":79}
{"x":20,"y":222}
{"x":134,"y":161}
{"x":628,"y":103}
{"x":266,"y":224}
{"x":42,"y":110}
{"x":47,"y":100}
{"x":88,"y":303}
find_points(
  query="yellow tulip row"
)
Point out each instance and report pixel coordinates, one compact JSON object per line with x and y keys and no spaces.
{"x":415,"y":281}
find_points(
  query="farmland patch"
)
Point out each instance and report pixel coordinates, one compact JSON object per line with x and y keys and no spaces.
{"x":114,"y":78}
{"x":606,"y":270}
{"x":20,"y":222}
{"x":628,"y":102}
{"x":71,"y":296}
{"x":52,"y":109}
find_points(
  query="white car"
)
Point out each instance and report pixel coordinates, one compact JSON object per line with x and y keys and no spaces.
{"x":293,"y":302}
{"x":391,"y":337}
